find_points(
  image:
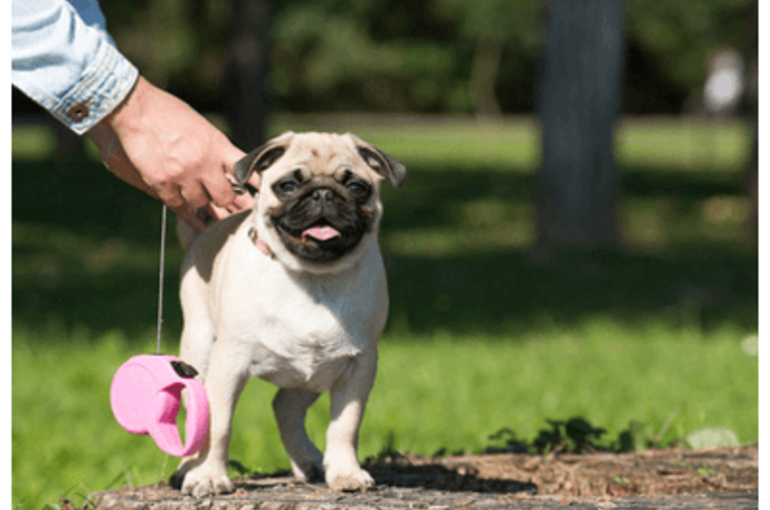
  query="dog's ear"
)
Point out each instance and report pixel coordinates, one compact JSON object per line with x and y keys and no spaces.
{"x":380,"y":162}
{"x":262,"y":157}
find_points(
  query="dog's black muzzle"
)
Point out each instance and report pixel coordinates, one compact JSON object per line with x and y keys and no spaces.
{"x":323,"y":223}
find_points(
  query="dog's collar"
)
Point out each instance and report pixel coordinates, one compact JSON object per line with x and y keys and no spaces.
{"x":253,"y":234}
{"x":259,"y":243}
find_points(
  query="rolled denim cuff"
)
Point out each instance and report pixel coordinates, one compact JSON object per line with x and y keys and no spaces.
{"x":102,"y":89}
{"x":104,"y":84}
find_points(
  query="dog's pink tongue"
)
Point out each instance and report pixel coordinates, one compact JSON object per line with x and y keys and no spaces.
{"x":321,"y":233}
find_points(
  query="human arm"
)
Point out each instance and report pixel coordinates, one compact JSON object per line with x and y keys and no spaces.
{"x":68,"y":66}
{"x":159,"y":144}
{"x":147,"y":137}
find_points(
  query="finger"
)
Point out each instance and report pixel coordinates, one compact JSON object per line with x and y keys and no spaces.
{"x":117,"y":162}
{"x":171,"y":195}
{"x":254,"y":180}
{"x":195,"y":195}
{"x":188,"y":215}
{"x":218,"y":213}
{"x":126,"y":172}
{"x":242,"y":203}
{"x":233,"y":154}
{"x":239,"y":189}
{"x":220,"y":190}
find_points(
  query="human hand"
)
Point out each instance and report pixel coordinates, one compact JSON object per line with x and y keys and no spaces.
{"x":160,"y":145}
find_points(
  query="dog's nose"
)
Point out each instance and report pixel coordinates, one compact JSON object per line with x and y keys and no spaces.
{"x":322,"y":195}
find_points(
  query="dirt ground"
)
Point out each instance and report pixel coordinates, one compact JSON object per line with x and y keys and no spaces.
{"x":673,"y":478}
{"x":647,"y":474}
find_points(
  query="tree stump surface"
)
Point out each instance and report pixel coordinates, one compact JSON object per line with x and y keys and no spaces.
{"x":662,"y":479}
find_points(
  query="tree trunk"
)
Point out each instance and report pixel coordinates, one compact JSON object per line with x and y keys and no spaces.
{"x":486,"y":62}
{"x":752,"y":115}
{"x":578,"y":102}
{"x":248,"y":51}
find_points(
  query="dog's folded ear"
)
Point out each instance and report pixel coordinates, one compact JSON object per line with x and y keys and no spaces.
{"x":380,"y":162}
{"x":262,"y":157}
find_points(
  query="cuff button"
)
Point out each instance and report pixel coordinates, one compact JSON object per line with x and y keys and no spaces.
{"x":78,"y":112}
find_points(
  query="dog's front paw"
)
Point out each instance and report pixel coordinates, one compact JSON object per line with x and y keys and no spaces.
{"x":203,"y":481}
{"x":351,"y":480}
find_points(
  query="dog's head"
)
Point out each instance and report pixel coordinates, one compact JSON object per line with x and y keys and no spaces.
{"x":319,"y":203}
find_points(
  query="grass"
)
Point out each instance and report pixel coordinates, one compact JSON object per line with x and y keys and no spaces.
{"x":435,"y":392}
{"x":483,"y":336}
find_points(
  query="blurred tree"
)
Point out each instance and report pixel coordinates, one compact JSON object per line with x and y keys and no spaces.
{"x":752,"y":116}
{"x":179,"y":45}
{"x":497,"y":29}
{"x":248,"y":51}
{"x":672,"y":42}
{"x":362,"y":55}
{"x":452,"y":56}
{"x":578,"y":101}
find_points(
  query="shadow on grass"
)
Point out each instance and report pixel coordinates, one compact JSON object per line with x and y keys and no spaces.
{"x":430,"y":197}
{"x":502,"y":293}
{"x":496,"y":292}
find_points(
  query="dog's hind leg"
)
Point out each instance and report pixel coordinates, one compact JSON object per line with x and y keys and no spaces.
{"x":290,"y":407}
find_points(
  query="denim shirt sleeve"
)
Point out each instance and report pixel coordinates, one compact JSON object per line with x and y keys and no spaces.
{"x":69,"y":66}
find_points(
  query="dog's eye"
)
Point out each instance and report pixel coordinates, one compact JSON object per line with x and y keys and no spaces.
{"x":358,"y":188}
{"x":287,"y":187}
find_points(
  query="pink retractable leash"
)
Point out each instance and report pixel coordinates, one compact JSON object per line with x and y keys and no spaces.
{"x":146,"y":392}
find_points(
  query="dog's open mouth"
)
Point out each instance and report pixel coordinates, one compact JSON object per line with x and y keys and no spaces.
{"x":322,"y":231}
{"x":321,"y":240}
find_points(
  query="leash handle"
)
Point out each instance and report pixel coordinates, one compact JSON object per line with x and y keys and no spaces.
{"x":146,"y":394}
{"x":146,"y":391}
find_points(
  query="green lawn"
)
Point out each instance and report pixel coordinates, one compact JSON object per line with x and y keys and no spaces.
{"x":482,"y":337}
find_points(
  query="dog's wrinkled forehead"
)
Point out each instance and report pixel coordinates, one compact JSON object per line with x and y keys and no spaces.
{"x":321,"y":153}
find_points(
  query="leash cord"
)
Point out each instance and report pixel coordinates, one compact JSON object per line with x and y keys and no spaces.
{"x":160,"y":276}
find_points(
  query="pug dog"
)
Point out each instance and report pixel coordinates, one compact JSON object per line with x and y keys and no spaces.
{"x":293,"y":292}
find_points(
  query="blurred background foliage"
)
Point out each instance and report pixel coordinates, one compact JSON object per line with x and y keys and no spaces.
{"x":421,"y":56}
